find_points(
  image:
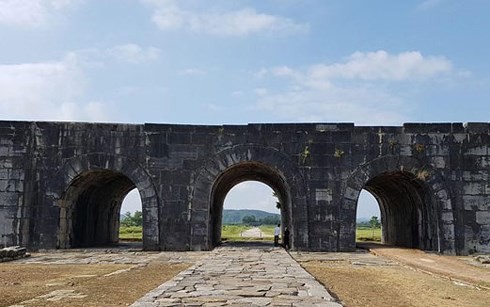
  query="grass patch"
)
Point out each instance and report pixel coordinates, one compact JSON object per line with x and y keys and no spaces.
{"x":268,"y":230}
{"x":233,"y":232}
{"x":368,"y":234}
{"x":132,"y":233}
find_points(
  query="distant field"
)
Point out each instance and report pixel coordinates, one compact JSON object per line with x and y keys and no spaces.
{"x":233,"y":233}
{"x":133,"y":233}
{"x":268,"y":230}
{"x":368,"y":234}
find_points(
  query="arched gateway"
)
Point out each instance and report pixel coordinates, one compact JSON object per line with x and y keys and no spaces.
{"x":237,"y":164}
{"x":90,"y":198}
{"x":61,"y":184}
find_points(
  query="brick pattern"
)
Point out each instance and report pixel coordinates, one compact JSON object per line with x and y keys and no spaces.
{"x":319,"y":170}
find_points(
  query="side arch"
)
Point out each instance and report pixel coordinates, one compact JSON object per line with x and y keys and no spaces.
{"x":236,"y":164}
{"x":436,"y":219}
{"x":80,"y":173}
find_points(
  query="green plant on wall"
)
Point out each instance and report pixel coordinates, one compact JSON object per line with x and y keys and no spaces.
{"x":305,"y":154}
{"x":338,"y":153}
{"x":423,"y":174}
{"x":419,"y":147}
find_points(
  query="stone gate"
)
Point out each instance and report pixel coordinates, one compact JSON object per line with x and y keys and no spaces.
{"x":62,"y":184}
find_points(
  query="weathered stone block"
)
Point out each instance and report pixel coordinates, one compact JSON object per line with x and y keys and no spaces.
{"x":483,"y":217}
{"x":476,"y":202}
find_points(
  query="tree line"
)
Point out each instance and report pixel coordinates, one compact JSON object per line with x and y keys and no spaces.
{"x":129,"y":220}
{"x":251,"y":220}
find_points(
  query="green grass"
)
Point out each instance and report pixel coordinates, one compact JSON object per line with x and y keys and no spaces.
{"x":268,"y":230}
{"x":132,"y":233}
{"x":232,"y":233}
{"x":368,"y":234}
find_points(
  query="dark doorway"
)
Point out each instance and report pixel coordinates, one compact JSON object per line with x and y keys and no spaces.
{"x":408,"y":215}
{"x":91,"y":208}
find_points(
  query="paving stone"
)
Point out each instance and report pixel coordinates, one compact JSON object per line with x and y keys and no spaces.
{"x":239,"y":276}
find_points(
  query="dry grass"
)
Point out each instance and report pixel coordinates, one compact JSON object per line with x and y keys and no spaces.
{"x":22,"y":282}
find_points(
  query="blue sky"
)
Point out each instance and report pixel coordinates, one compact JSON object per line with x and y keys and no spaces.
{"x":215,"y":62}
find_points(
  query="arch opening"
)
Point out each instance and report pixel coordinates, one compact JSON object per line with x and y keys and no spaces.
{"x":368,"y":218}
{"x":248,"y":171}
{"x":91,"y":208}
{"x":250,"y":205}
{"x":408,"y":214}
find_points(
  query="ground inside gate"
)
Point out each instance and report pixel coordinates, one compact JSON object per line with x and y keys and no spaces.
{"x":94,"y":278}
{"x":119,"y":278}
{"x":400,"y":277}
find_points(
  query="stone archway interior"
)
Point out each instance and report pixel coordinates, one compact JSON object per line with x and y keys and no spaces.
{"x":252,"y":195}
{"x":408,"y":215}
{"x":90,"y":209}
{"x":250,"y":171}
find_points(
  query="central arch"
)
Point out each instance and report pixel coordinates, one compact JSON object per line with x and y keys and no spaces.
{"x":244,"y":172}
{"x":241,"y":163}
{"x":415,"y":204}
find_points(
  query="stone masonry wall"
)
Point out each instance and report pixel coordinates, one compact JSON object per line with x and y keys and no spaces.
{"x":319,"y":168}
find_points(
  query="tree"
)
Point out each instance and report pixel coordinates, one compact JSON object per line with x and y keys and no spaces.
{"x":138,"y":218}
{"x":129,"y":219}
{"x":278,"y":203}
{"x":270,"y":220}
{"x":249,"y":219}
{"x":374,"y":222}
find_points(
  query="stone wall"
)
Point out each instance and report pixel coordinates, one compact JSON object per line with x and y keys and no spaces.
{"x":61,"y":184}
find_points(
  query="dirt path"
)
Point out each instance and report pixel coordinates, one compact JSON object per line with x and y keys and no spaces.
{"x":254,"y":232}
{"x":81,"y":285}
{"x":87,"y":279}
{"x":452,"y":267}
{"x":395,"y":277}
{"x":399,"y":277}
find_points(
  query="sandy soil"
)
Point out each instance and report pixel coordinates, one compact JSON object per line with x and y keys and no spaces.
{"x":396,"y":277}
{"x":85,"y":284}
{"x":412,"y":278}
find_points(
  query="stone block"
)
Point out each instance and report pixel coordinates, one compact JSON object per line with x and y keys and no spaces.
{"x":474,"y":188}
{"x":481,"y":150}
{"x":427,"y":127}
{"x":477,"y":127}
{"x":483,"y":217}
{"x":476,"y":202}
{"x":438,"y":162}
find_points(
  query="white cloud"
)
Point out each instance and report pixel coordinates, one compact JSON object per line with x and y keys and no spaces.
{"x":429,"y":4}
{"x":126,"y":53}
{"x":168,"y":15}
{"x":191,"y":72}
{"x":32,"y":13}
{"x":350,"y":104}
{"x":381,"y":65}
{"x":133,"y":53}
{"x":46,"y":91}
{"x":261,"y":91}
{"x":251,"y":195}
{"x":362,"y":89}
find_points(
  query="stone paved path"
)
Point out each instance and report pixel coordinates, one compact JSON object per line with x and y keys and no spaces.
{"x":241,"y":276}
{"x":254,"y":232}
